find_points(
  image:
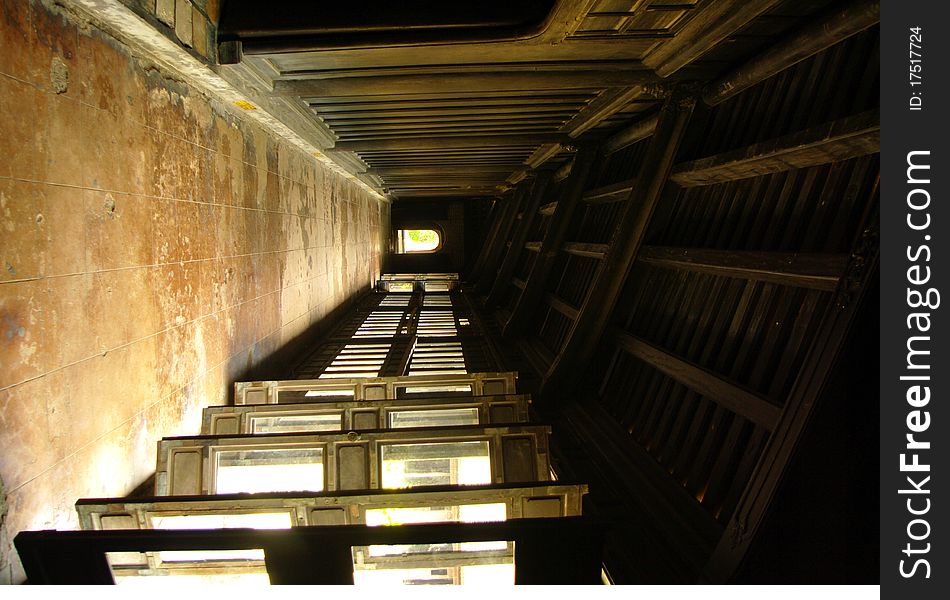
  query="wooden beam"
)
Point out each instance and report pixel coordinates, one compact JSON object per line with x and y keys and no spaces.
{"x":630,"y":135}
{"x":609,"y":102}
{"x":598,"y":305}
{"x":813,"y":271}
{"x":564,"y":170}
{"x":838,"y":25}
{"x":507,"y":268}
{"x":446,"y":142}
{"x":560,"y":306}
{"x":706,"y":29}
{"x":597,"y":251}
{"x":462,"y":83}
{"x":532,"y":246}
{"x":551,"y":244}
{"x":805,"y":394}
{"x":548,"y":209}
{"x":542,"y":155}
{"x":614,"y":192}
{"x":846,"y":138}
{"x":727,"y":394}
{"x":495,"y":253}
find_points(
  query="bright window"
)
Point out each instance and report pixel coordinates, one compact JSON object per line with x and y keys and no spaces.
{"x":410,"y":241}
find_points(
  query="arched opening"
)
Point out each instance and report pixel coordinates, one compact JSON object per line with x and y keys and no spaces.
{"x":418,"y":241}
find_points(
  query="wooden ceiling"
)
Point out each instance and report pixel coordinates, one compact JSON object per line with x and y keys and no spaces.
{"x":439,"y":103}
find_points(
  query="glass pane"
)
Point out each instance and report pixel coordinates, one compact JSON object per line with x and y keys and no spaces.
{"x":477,"y":563}
{"x":442,"y":417}
{"x":296,"y":423}
{"x":436,"y":388}
{"x":438,"y":463}
{"x":416,"y":240}
{"x":206,"y":556}
{"x":269,"y":470}
{"x":269,"y":520}
{"x":464,"y":513}
{"x":182,"y":581}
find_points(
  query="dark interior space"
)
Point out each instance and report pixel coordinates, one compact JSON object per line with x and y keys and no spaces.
{"x":608,"y":267}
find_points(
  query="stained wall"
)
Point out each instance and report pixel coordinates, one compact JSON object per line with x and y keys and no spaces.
{"x":154,"y":247}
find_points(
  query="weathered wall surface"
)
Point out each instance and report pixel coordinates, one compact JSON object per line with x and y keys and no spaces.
{"x":153,"y":248}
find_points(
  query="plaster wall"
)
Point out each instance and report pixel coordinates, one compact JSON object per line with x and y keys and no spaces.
{"x":155,"y":246}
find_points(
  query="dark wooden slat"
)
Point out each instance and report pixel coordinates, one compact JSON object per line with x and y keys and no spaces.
{"x":823,"y":33}
{"x":495,"y":253}
{"x":532,"y":246}
{"x":510,"y":261}
{"x":585,"y":250}
{"x":839,"y":140}
{"x":614,"y":192}
{"x":553,"y":238}
{"x":414,"y":171}
{"x":812,"y":379}
{"x":626,"y":239}
{"x":518,"y":283}
{"x":709,"y":26}
{"x":497,"y":215}
{"x":548,"y":209}
{"x":815,"y":271}
{"x":725,"y":393}
{"x":454,"y":83}
{"x":429,"y":142}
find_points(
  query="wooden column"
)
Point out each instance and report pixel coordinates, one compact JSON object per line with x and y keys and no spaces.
{"x":551,"y":244}
{"x":497,"y":249}
{"x":625,"y":243}
{"x":530,"y":213}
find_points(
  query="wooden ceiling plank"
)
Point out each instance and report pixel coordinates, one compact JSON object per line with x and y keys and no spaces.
{"x":449,"y":142}
{"x":473,"y":112}
{"x":462,"y":83}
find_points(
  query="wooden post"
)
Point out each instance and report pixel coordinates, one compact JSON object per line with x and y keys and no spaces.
{"x":551,"y":244}
{"x":503,"y":280}
{"x":625,"y":243}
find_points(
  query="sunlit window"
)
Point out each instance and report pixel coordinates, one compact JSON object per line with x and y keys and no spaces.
{"x":269,"y":470}
{"x":409,"y":241}
{"x":436,"y":463}
{"x":472,"y":563}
